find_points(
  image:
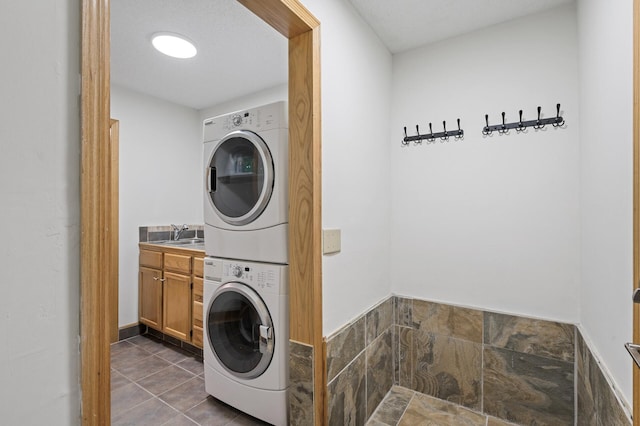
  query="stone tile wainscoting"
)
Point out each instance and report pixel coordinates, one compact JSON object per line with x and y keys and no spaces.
{"x":521,"y":370}
{"x":301,"y":410}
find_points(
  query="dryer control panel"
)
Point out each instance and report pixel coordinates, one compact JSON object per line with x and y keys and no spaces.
{"x":267,"y":117}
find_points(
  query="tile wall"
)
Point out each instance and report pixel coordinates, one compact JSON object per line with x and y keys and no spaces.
{"x":360,"y":366}
{"x":160,"y":233}
{"x":522,"y":370}
{"x":301,"y":410}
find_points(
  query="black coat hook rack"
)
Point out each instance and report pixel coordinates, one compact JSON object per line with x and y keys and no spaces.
{"x":520,"y":125}
{"x":432,"y":137}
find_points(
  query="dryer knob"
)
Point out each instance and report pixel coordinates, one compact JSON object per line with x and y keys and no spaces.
{"x":237,"y":271}
{"x":237,"y":120}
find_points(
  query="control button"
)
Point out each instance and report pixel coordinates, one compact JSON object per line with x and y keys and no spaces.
{"x":237,"y":120}
{"x":237,"y":271}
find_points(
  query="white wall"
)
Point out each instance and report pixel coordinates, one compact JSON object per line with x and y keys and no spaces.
{"x":263,"y":97}
{"x":356,"y":75}
{"x":160,"y":177}
{"x":489,"y":222}
{"x":40,"y":209}
{"x":606,"y":148}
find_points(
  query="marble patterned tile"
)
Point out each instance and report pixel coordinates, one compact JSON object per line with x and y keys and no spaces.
{"x":586,"y":408}
{"x":301,"y":384}
{"x":425,"y":410}
{"x":528,"y":389}
{"x":447,"y":368}
{"x":494,"y":421}
{"x":608,"y":409}
{"x":344,"y":345}
{"x":379,"y":364}
{"x":392,"y":407}
{"x":346,"y":394}
{"x":448,"y":320}
{"x":404,"y":360}
{"x":531,"y":336}
{"x":403,"y":307}
{"x":379,"y":319}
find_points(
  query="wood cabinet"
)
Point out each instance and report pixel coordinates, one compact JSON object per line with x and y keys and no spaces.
{"x":170,"y":284}
{"x":150,"y":282}
{"x":197,"y":307}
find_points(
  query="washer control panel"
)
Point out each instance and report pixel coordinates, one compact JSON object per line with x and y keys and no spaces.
{"x":264,"y":277}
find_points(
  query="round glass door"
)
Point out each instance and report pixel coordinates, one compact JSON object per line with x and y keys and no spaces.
{"x":240,"y":177}
{"x":240,"y":330}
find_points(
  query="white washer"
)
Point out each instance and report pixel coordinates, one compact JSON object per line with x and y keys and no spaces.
{"x":246,"y":184}
{"x":246,"y":336}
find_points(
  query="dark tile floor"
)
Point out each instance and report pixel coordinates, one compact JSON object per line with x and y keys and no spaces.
{"x":158,"y":384}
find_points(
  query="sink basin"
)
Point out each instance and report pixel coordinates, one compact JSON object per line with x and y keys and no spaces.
{"x":185,"y":242}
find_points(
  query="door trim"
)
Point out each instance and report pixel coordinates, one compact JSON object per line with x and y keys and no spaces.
{"x":636,"y":201}
{"x":291,"y":19}
{"x":113,"y":263}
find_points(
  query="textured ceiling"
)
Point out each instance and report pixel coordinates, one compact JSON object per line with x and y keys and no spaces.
{"x":239,"y":54}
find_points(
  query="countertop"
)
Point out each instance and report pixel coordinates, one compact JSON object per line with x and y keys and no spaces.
{"x":190,"y":245}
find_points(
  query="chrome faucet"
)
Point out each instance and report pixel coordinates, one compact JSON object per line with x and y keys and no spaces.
{"x":177,"y":231}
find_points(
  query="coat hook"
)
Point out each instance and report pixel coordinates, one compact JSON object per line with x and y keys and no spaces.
{"x":446,"y":134}
{"x":521,"y":126}
{"x":459,"y":135}
{"x":539,"y":126}
{"x":486,"y":130}
{"x":431,"y":138}
{"x":419,"y":140}
{"x":405,"y":141}
{"x":559,"y":120}
{"x":504,"y":129}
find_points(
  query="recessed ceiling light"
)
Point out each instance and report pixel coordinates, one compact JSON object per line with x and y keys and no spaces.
{"x":174,"y":45}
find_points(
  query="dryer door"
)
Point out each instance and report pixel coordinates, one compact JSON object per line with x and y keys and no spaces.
{"x":240,"y":177}
{"x":240,"y":330}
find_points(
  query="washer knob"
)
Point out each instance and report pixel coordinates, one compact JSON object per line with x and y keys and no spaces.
{"x":237,"y":271}
{"x":237,"y":120}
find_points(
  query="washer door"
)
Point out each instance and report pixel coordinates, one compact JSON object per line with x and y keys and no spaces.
{"x":240,"y":177}
{"x":240,"y":330}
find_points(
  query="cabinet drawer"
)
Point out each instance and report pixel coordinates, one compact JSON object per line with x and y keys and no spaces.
{"x":197,"y":314}
{"x":198,"y":266}
{"x":152,"y":259}
{"x":197,"y":289}
{"x":177,"y":263}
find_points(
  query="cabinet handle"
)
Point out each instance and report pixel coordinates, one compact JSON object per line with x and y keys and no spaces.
{"x":156,"y":279}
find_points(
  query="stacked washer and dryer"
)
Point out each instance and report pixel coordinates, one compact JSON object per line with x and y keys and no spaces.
{"x":246,"y":282}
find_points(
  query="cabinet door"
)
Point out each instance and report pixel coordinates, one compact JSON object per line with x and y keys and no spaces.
{"x":150,"y":295}
{"x":177,"y":306}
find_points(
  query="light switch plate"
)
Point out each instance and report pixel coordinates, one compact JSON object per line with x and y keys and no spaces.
{"x":331,"y":241}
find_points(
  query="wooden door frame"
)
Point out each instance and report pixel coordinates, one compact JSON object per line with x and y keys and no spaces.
{"x":636,"y":201}
{"x":291,"y":19}
{"x":113,"y":220}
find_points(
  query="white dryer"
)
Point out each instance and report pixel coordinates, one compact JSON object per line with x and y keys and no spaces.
{"x":246,"y":336}
{"x":246,"y":184}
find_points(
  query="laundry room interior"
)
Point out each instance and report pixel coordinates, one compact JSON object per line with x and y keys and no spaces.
{"x":488,"y":270}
